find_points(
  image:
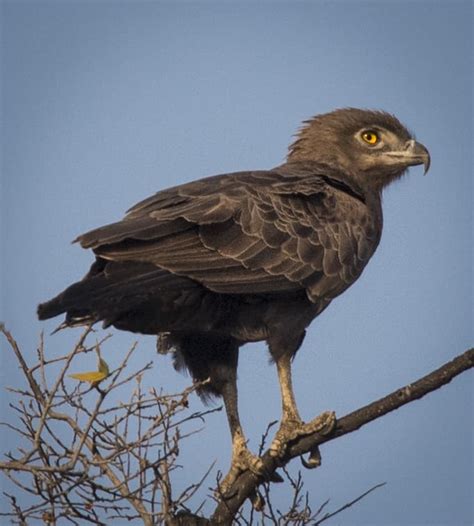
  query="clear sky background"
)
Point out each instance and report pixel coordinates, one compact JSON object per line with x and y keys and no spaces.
{"x":104,"y":103}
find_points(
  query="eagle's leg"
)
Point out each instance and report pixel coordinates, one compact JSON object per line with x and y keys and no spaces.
{"x":212,"y":359}
{"x":242,"y":458}
{"x":292,"y":426}
{"x":290,"y":414}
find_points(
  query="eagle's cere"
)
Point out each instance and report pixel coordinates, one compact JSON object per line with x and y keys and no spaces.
{"x":247,"y":256}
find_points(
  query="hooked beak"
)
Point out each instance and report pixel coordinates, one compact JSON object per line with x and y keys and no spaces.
{"x":413,"y":154}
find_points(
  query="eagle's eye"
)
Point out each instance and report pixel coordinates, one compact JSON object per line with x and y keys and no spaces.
{"x":370,"y":137}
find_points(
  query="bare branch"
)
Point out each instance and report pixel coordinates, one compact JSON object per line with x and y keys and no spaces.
{"x":348,"y":505}
{"x":87,"y":459}
{"x":244,"y":487}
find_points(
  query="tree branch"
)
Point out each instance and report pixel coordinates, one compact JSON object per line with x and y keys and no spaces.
{"x":85,"y":454}
{"x":245,"y":486}
{"x":113,"y":460}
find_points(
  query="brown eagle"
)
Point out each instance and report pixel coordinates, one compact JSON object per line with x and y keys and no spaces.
{"x":247,"y":256}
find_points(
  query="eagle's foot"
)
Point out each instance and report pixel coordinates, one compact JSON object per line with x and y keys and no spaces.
{"x":291,"y":429}
{"x":242,"y":460}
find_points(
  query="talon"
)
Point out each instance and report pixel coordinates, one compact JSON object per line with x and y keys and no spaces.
{"x":242,"y":460}
{"x":224,"y":486}
{"x":291,"y":430}
{"x":276,"y":478}
{"x":314,"y":459}
{"x":323,"y":424}
{"x":258,"y":502}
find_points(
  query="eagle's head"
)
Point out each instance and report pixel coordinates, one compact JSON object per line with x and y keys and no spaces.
{"x":372,"y":146}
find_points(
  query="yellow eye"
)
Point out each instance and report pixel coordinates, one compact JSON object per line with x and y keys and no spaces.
{"x":370,"y":137}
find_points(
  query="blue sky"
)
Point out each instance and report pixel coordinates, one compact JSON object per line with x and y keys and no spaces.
{"x":104,"y":103}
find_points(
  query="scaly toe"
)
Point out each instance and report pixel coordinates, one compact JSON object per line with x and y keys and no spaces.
{"x":278,"y":445}
{"x":323,"y":424}
{"x":224,"y":486}
{"x":244,"y":461}
{"x":291,"y":430}
{"x":288,"y":431}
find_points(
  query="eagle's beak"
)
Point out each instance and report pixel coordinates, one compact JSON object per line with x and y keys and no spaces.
{"x":419,"y":153}
{"x":413,"y":154}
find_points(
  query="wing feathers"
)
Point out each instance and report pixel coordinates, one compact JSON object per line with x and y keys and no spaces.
{"x":142,"y":228}
{"x":248,"y":233}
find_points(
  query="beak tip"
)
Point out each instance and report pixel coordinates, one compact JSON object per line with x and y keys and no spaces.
{"x":426,"y":165}
{"x":425,"y":155}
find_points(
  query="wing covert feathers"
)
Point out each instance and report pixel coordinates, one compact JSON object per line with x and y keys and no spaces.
{"x":296,"y":227}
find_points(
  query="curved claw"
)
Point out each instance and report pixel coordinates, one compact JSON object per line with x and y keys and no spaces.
{"x":276,"y":478}
{"x":314,"y":459}
{"x":258,"y":502}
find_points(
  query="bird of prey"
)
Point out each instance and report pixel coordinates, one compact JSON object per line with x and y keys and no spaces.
{"x":247,"y":256}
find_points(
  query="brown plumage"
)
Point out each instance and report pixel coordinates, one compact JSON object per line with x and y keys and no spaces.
{"x":247,"y":256}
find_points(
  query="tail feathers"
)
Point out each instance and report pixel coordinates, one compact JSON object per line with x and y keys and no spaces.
{"x":56,"y":306}
{"x":68,"y":303}
{"x":49,"y":309}
{"x":68,"y":299}
{"x":109,"y":290}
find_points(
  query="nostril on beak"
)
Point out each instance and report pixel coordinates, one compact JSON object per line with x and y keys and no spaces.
{"x":410,"y":145}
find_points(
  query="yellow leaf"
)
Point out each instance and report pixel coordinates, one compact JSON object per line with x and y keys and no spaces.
{"x":103,"y":367}
{"x":94,"y":377}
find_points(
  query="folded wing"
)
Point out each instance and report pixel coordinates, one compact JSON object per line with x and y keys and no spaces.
{"x":249,"y":233}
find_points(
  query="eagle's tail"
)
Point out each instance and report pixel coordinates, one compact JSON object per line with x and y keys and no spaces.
{"x":57,"y":305}
{"x":76,"y":300}
{"x":112,"y":290}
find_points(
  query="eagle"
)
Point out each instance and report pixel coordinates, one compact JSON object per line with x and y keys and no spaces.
{"x":213,"y":264}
